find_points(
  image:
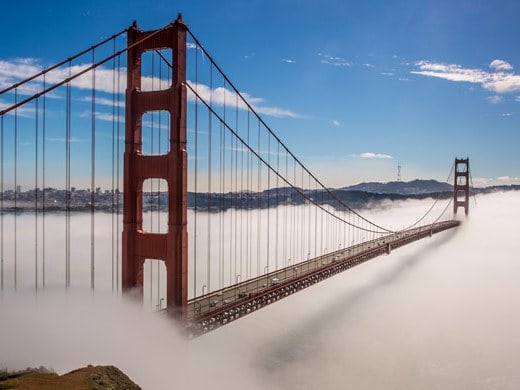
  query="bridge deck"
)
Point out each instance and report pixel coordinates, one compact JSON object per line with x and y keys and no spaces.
{"x":219,"y":307}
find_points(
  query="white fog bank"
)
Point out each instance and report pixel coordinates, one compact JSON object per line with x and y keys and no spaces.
{"x":441,"y":313}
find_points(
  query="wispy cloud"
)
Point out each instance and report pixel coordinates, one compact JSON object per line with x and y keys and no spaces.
{"x":387,"y":73}
{"x":494,"y":99}
{"x":222,"y":96}
{"x":335,"y":61}
{"x":498,"y":82}
{"x":369,"y":65}
{"x":288,"y":61}
{"x":104,"y":101}
{"x":370,"y":155}
{"x":23,"y":111}
{"x":63,"y":139}
{"x":103,"y":116}
{"x":507,"y":114}
{"x":508,"y":179}
{"x":501,"y":180}
{"x":336,"y":123}
{"x":500,"y":65}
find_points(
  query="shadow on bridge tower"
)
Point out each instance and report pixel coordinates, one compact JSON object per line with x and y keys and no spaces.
{"x":138,"y":245}
{"x":461,"y":186}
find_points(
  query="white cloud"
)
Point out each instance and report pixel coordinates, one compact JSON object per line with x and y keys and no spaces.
{"x":501,"y":180}
{"x":374,"y":155}
{"x":517,"y":98}
{"x":507,"y":114}
{"x":220,"y":96}
{"x":63,"y":139}
{"x":12,"y":71}
{"x":495,"y":99}
{"x":336,"y":123}
{"x":335,"y":61}
{"x":500,"y":65}
{"x":498,"y":82}
{"x":369,"y":65}
{"x":104,"y":101}
{"x":508,"y":179}
{"x":387,"y":73}
{"x":24,"y":111}
{"x":18,"y":69}
{"x":288,"y":61}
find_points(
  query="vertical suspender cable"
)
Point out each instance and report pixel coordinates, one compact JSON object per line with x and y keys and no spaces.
{"x":44,"y":136}
{"x":222,"y":189}
{"x":15,"y":189}
{"x":309,"y":221}
{"x":93,"y":176}
{"x":159,"y":190}
{"x":242,"y":208}
{"x":235,"y":193}
{"x":258,"y":238}
{"x":236,"y":205}
{"x":2,"y":203}
{"x":151,"y":203}
{"x":277,"y":205}
{"x":208,"y":271}
{"x":36,"y":130}
{"x":249,"y":188}
{"x":196,"y":176}
{"x":67,"y":182}
{"x":221,"y":211}
{"x":112,"y":189}
{"x":118,"y":165}
{"x":268,"y":197}
{"x":294,"y":197}
{"x":285,"y":241}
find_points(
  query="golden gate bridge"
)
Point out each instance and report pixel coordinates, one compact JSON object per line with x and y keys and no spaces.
{"x":219,"y":217}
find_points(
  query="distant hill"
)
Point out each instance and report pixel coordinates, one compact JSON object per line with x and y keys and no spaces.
{"x":414,"y":187}
{"x":91,"y":377}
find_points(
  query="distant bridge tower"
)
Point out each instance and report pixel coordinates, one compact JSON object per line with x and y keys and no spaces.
{"x":138,"y":245}
{"x":461,"y":186}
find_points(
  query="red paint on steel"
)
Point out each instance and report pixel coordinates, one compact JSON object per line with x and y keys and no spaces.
{"x":461,"y":186}
{"x":171,"y":247}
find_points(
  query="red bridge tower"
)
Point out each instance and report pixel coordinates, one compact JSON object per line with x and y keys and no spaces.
{"x":461,"y":186}
{"x":138,"y":245}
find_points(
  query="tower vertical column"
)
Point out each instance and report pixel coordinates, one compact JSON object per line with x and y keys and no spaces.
{"x":461,"y":185}
{"x":138,"y":245}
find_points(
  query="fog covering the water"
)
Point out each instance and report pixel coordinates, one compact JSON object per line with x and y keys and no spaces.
{"x":439,"y":313}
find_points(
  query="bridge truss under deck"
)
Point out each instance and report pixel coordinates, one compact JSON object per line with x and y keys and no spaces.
{"x":218,"y":308}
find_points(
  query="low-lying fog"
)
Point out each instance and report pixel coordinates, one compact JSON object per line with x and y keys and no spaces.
{"x":441,"y":313}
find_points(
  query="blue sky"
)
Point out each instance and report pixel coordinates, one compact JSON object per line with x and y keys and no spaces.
{"x":352,"y":88}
